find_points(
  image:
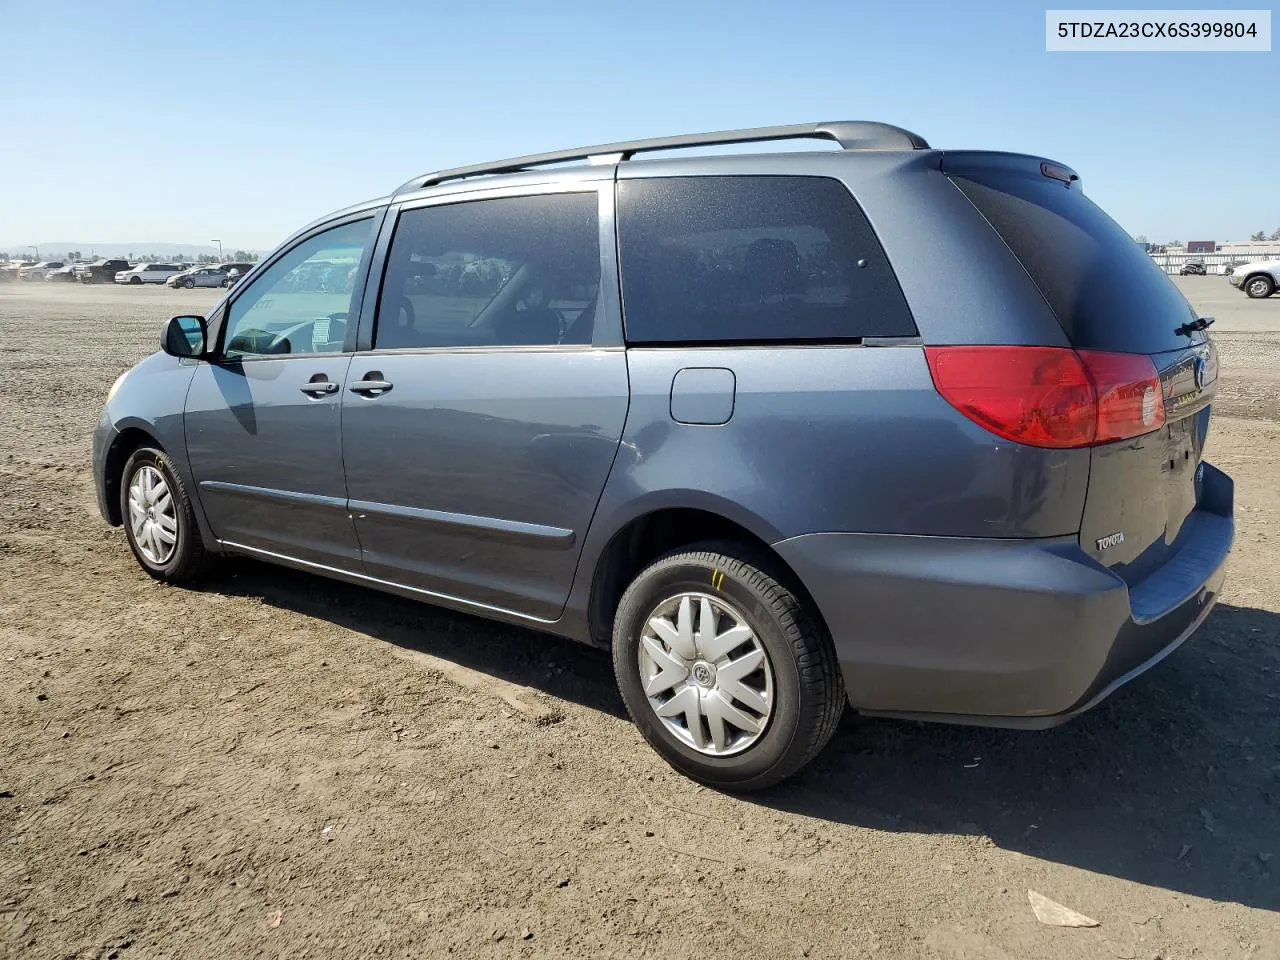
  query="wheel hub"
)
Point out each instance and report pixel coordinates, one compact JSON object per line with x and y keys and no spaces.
{"x":153,"y":515}
{"x":706,"y":674}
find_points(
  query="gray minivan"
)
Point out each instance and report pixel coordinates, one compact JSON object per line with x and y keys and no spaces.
{"x":915,"y":430}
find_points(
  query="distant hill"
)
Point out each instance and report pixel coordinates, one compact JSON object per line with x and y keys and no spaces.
{"x":59,"y":248}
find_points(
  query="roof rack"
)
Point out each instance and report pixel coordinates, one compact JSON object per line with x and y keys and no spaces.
{"x":850,"y":134}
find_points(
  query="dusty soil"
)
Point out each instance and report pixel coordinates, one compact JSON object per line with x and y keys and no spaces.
{"x":277,"y":765}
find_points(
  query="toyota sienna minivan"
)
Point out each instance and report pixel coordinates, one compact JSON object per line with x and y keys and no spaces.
{"x":911,"y":430}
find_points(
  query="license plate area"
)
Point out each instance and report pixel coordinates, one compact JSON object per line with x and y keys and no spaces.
{"x":1141,"y":493}
{"x":1182,"y":449}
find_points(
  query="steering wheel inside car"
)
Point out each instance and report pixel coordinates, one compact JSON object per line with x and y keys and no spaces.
{"x":255,"y":342}
{"x":264,"y":343}
{"x":335,"y":334}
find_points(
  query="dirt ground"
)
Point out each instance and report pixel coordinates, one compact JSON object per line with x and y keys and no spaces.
{"x":277,"y":765}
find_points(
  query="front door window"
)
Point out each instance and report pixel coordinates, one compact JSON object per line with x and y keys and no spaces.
{"x":300,"y":304}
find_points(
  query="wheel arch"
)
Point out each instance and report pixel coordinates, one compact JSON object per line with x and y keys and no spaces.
{"x":127,"y":440}
{"x":1264,"y":274}
{"x":649,"y":534}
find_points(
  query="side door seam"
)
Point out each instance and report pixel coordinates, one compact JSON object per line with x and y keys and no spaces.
{"x":616,"y":272}
{"x":375,"y":253}
{"x":194,"y":492}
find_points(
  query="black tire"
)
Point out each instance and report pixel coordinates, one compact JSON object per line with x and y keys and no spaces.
{"x":1259,"y":287}
{"x":188,"y":283}
{"x":189,"y":560}
{"x":135,"y":279}
{"x":808,"y":690}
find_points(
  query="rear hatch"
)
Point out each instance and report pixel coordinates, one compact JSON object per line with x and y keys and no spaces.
{"x":1109,"y":296}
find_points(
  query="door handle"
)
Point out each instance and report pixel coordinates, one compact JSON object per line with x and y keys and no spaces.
{"x":318,"y":388}
{"x":372,"y":385}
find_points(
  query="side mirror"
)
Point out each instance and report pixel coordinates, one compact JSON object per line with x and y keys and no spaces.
{"x":184,"y":337}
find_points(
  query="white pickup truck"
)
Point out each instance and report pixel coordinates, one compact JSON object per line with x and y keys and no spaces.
{"x":1257,"y":280}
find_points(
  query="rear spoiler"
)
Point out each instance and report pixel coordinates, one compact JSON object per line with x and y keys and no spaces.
{"x":981,"y":164}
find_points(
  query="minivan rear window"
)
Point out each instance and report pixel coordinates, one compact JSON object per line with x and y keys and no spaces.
{"x":1107,"y":293}
{"x":751,"y":260}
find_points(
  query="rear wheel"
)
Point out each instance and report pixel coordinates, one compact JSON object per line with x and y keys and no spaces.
{"x":723,"y":669}
{"x":159,"y":519}
{"x":1259,"y":287}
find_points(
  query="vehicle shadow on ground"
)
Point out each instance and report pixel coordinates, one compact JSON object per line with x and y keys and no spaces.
{"x":1172,"y":782}
{"x":562,"y":668}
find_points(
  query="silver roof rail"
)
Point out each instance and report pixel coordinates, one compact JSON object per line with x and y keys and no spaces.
{"x":850,"y":134}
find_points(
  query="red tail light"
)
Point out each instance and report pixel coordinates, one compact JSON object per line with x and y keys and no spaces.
{"x":1050,"y":396}
{"x":1130,"y":399}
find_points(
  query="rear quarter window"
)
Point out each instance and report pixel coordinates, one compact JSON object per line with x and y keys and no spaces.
{"x":1106,"y":292}
{"x":752,"y":260}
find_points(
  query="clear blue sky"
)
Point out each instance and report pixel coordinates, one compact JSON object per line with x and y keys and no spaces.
{"x":179,"y":122}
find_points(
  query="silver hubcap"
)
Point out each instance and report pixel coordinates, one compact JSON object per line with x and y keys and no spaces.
{"x":706,"y":674}
{"x":153,"y":516}
{"x":1258,"y":287}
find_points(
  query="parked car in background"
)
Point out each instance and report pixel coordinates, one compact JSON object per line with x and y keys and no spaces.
{"x":238,"y":269}
{"x":1257,"y":280}
{"x":205,"y":276}
{"x":718,"y":415}
{"x":10,"y":270}
{"x":63,"y":274}
{"x":1192,"y":268}
{"x":149,"y":273}
{"x":208,"y":275}
{"x":36,"y":271}
{"x":103,"y":270}
{"x":234,"y":272}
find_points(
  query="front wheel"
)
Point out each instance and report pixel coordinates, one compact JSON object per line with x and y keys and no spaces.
{"x":159,"y":519}
{"x":1259,"y":287}
{"x":188,"y":283}
{"x":135,"y":279}
{"x":724,"y":669}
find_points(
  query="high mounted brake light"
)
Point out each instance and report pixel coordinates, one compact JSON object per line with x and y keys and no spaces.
{"x":1056,"y":171}
{"x":1050,"y":396}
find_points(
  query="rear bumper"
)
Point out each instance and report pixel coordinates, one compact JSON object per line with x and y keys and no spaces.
{"x":1013,"y":633}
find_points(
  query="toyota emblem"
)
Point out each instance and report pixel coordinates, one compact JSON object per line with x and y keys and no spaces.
{"x":1197,"y":370}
